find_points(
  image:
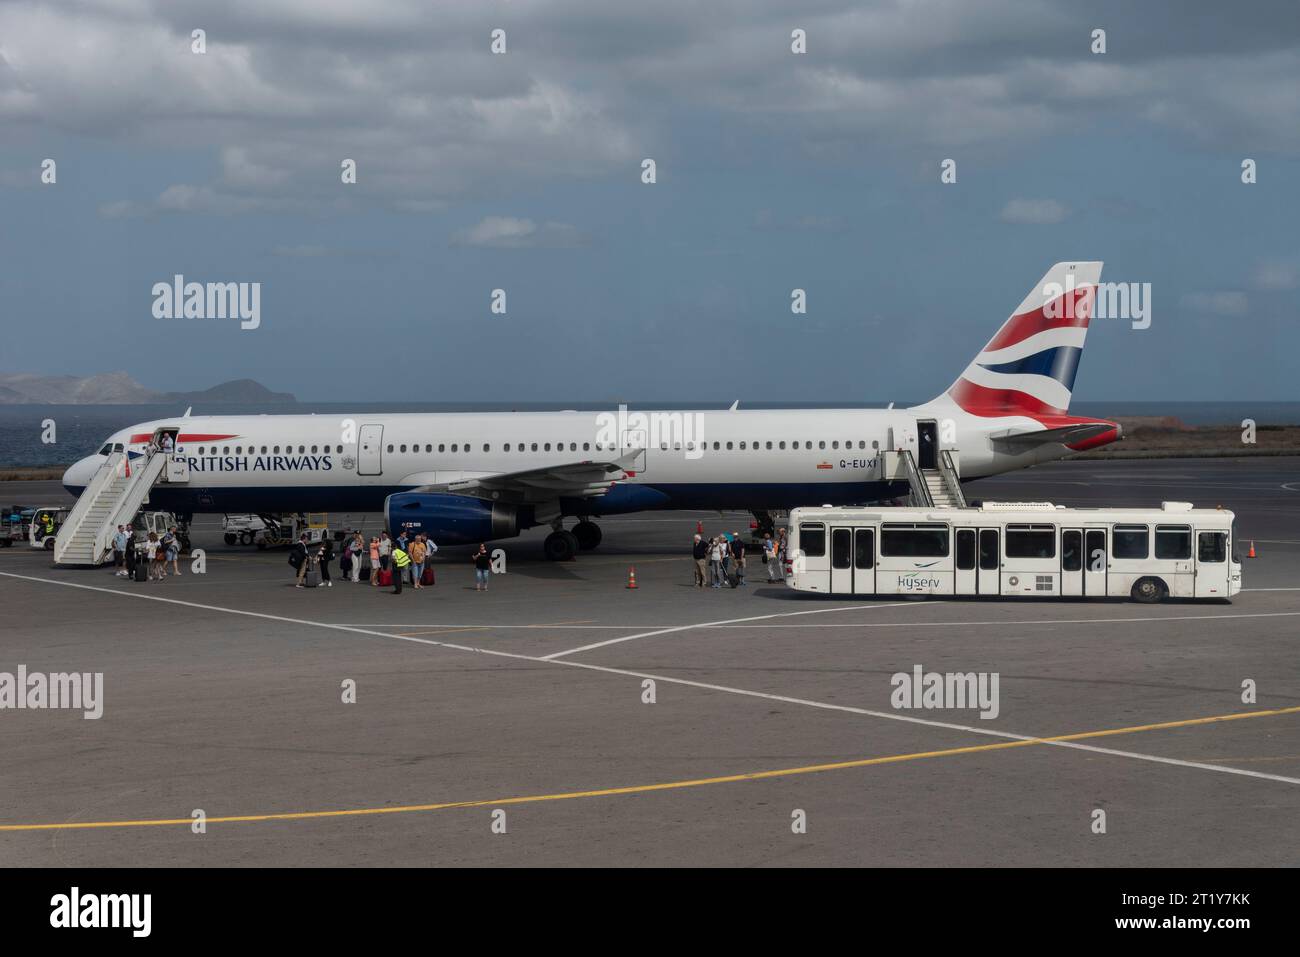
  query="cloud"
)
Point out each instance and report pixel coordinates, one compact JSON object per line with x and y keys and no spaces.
{"x":1229,"y":304}
{"x":1035,"y":212}
{"x":506,"y":232}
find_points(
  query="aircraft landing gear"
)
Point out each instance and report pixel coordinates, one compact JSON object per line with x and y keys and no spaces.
{"x":588,"y":534}
{"x":560,"y":546}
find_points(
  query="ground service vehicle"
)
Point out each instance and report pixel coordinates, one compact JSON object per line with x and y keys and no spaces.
{"x":1016,"y":549}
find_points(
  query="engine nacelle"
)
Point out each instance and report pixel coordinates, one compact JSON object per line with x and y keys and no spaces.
{"x":450,"y":519}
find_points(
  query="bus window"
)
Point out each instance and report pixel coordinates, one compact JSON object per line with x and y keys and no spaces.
{"x":841,"y":540}
{"x":914,"y":541}
{"x":1031,"y":541}
{"x":864,"y":550}
{"x":965,"y":548}
{"x":989,"y":549}
{"x":812,"y":540}
{"x":1173,"y":541}
{"x":1212,"y":547}
{"x":1071,"y":551}
{"x":1129,"y":541}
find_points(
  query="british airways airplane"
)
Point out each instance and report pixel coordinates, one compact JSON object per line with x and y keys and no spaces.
{"x":471,"y":477}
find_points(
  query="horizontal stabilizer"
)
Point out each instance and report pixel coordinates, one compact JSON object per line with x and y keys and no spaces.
{"x":1071,"y":436}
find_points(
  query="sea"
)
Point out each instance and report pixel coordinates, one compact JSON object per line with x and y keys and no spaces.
{"x":79,"y":430}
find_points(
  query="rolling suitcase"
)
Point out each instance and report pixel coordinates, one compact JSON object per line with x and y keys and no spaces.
{"x":385,"y":577}
{"x":312,"y":578}
{"x":733,"y":578}
{"x":426,"y":578}
{"x":141,"y":571}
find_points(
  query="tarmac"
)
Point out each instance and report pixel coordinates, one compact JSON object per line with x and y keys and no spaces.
{"x":515,"y":727}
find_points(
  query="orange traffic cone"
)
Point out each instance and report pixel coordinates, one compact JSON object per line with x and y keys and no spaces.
{"x":1251,"y":553}
{"x":631,"y":577}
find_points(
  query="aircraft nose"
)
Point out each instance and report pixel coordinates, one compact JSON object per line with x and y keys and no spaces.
{"x":78,"y":474}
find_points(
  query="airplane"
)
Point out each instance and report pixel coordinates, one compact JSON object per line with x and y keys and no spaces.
{"x":467,"y":477}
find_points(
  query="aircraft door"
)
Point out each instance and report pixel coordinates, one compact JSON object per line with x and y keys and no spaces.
{"x":1094,"y":562}
{"x":927,"y":456}
{"x":370,"y":450}
{"x":634,"y":439}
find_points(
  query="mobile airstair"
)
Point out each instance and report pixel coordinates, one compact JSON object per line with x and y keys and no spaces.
{"x":115,"y":493}
{"x":938,"y":487}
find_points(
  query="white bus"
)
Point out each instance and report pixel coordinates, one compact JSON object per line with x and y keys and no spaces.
{"x":1012,"y":549}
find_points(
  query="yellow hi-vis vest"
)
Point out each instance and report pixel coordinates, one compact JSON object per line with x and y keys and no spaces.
{"x":400,"y":558}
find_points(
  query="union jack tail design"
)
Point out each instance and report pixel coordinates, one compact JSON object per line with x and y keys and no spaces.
{"x":1028,"y":367}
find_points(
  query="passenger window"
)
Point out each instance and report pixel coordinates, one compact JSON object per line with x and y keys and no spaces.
{"x":989,"y":549}
{"x":769,"y":445}
{"x":835,"y":445}
{"x":781,"y":444}
{"x":1174,"y":542}
{"x":812,"y":540}
{"x":1212,"y":547}
{"x":728,"y":446}
{"x":226,"y":450}
{"x":965,"y":548}
{"x":403,"y":447}
{"x":906,"y":540}
{"x":1071,"y":551}
{"x":442,"y":447}
{"x":841,"y":546}
{"x":1129,"y":541}
{"x":864,"y":548}
{"x":586,"y":446}
{"x":1031,"y":541}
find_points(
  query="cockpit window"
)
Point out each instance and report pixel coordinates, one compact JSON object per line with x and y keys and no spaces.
{"x":106,"y":449}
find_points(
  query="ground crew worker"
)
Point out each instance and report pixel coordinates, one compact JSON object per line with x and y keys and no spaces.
{"x":400,"y":562}
{"x":47,"y":524}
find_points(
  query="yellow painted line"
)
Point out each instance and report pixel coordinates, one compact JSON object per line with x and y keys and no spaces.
{"x":442,"y":631}
{"x":665,"y":786}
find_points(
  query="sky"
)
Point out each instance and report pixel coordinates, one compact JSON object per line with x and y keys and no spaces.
{"x":523,"y":171}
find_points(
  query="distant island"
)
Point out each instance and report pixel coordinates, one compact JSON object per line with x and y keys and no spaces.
{"x":118,"y":388}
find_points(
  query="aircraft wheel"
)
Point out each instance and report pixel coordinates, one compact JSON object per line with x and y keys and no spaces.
{"x":560,"y":546}
{"x":230,"y":538}
{"x":1149,"y":591}
{"x":588,"y":535}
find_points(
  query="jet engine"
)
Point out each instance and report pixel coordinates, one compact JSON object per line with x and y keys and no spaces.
{"x":450,"y":519}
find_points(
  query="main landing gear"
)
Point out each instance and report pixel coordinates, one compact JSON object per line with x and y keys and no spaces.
{"x":562,"y":545}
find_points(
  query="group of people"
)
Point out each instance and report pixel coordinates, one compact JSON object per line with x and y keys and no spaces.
{"x":406,"y":559}
{"x":130,"y":548}
{"x":721,"y":559}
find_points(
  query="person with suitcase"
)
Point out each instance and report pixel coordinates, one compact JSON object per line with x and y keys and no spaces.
{"x":325,"y":555}
{"x":298,"y":559}
{"x":417,"y":552}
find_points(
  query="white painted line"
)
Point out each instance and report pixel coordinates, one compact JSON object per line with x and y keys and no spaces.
{"x":715,"y":624}
{"x":823,"y":705}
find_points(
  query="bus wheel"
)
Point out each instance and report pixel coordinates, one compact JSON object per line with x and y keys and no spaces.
{"x":230,"y":538}
{"x":245,"y":538}
{"x":1149,"y":591}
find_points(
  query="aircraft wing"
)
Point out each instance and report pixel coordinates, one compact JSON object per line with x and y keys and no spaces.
{"x":1068,"y":435}
{"x":547,"y":483}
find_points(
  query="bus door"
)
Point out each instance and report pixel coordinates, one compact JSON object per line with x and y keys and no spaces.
{"x":1094,"y":562}
{"x":853,"y":561}
{"x":966,"y":574}
{"x":1212,"y":569}
{"x":1072,"y":562}
{"x":989,"y":577}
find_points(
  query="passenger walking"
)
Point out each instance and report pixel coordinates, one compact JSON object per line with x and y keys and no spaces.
{"x":482,"y":567}
{"x":120,"y":539}
{"x":154,"y":556}
{"x":782,"y":544}
{"x":738,"y":554}
{"x":385,"y":551}
{"x":374,"y":561}
{"x":769,"y":557}
{"x":700,"y":555}
{"x":401,"y":561}
{"x":725,"y":542}
{"x":324,"y":556}
{"x":359,"y":553}
{"x":172,"y":543}
{"x":131,"y":556}
{"x":715,"y":563}
{"x":417,"y":553}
